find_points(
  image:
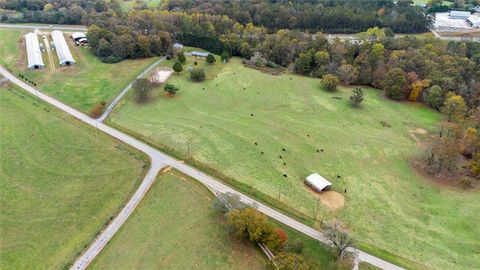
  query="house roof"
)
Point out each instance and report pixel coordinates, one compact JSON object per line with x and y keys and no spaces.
{"x":61,"y":47}
{"x":177,"y":45}
{"x":34,"y":56}
{"x":317,"y":181}
{"x":201,"y":54}
{"x":459,"y":13}
{"x":78,"y":35}
{"x":474,"y":19}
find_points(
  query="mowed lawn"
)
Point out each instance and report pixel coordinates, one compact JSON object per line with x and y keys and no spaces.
{"x":175,"y":227}
{"x":60,"y":182}
{"x":238,"y":123}
{"x":82,"y":85}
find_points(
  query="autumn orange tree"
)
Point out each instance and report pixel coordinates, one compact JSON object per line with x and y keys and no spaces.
{"x":250,"y":224}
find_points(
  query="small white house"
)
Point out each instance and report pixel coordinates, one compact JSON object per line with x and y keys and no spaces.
{"x":460,"y":15}
{"x":317,"y":182}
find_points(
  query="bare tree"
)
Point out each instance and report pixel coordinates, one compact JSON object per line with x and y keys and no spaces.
{"x":339,"y":238}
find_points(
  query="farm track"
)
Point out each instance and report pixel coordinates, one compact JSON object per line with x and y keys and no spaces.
{"x":160,"y":160}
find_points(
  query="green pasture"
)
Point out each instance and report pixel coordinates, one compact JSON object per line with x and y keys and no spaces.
{"x":175,"y":228}
{"x":60,"y":182}
{"x":264,"y":134}
{"x":82,"y":85}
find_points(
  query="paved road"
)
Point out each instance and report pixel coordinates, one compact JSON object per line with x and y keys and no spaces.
{"x":159,"y":160}
{"x":125,"y":90}
{"x":45,"y":26}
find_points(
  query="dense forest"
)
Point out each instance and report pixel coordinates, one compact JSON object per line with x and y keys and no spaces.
{"x":329,"y":16}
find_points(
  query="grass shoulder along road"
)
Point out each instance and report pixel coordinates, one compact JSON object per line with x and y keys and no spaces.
{"x":60,"y":182}
{"x":175,"y":227}
{"x":238,"y":123}
{"x":83,"y":85}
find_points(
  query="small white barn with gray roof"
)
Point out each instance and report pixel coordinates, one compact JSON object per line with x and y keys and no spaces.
{"x":65,"y":58}
{"x":317,"y":182}
{"x":34,"y":56}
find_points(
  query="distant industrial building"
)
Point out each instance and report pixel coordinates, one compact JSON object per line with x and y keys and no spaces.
{"x":65,"y":58}
{"x":474,"y":21}
{"x":34,"y":56}
{"x":460,"y":15}
{"x":199,"y":54}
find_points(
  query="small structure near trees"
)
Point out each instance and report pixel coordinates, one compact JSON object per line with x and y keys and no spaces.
{"x":199,"y":54}
{"x":317,"y":182}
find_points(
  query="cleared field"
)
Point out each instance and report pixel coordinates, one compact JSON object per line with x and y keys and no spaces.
{"x":129,"y":4}
{"x":60,"y":182}
{"x":237,"y":124}
{"x":82,"y":85}
{"x":175,"y":228}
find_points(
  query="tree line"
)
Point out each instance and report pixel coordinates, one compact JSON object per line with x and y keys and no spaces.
{"x":330,"y":16}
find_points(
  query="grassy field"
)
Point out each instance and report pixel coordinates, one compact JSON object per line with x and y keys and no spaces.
{"x":82,"y":85}
{"x":60,"y":182}
{"x":129,"y":4}
{"x":175,"y":228}
{"x":237,"y":124}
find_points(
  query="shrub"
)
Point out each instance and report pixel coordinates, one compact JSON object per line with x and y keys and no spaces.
{"x":111,"y":59}
{"x":211,"y":59}
{"x":271,"y":64}
{"x":282,"y":236}
{"x":142,"y":88}
{"x":294,"y":247}
{"x":225,"y":56}
{"x":195,"y":63}
{"x":330,"y":82}
{"x":288,"y":261}
{"x":170,"y":88}
{"x":177,"y":67}
{"x":97,"y":110}
{"x":357,"y":97}
{"x":197,"y":75}
{"x":181,"y":57}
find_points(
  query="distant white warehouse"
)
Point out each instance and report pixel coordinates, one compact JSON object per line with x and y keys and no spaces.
{"x":34,"y":56}
{"x":64,"y":56}
{"x":474,"y":21}
{"x":462,"y":15}
{"x":317,"y":182}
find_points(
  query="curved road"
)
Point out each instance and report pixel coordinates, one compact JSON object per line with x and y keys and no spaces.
{"x":159,"y":160}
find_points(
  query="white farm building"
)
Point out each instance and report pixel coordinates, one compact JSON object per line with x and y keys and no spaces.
{"x":65,"y":58}
{"x":317,"y":182}
{"x":461,"y":15}
{"x":474,"y":21}
{"x":34,"y":56}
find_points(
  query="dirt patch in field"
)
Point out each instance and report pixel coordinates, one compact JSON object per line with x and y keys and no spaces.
{"x":331,"y":199}
{"x":421,"y":132}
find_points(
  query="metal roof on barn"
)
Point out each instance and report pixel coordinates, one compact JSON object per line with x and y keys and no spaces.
{"x":34,"y":55}
{"x":64,"y":55}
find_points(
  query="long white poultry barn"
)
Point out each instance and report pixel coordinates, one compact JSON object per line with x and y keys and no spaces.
{"x":64,"y":56}
{"x":34,"y":56}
